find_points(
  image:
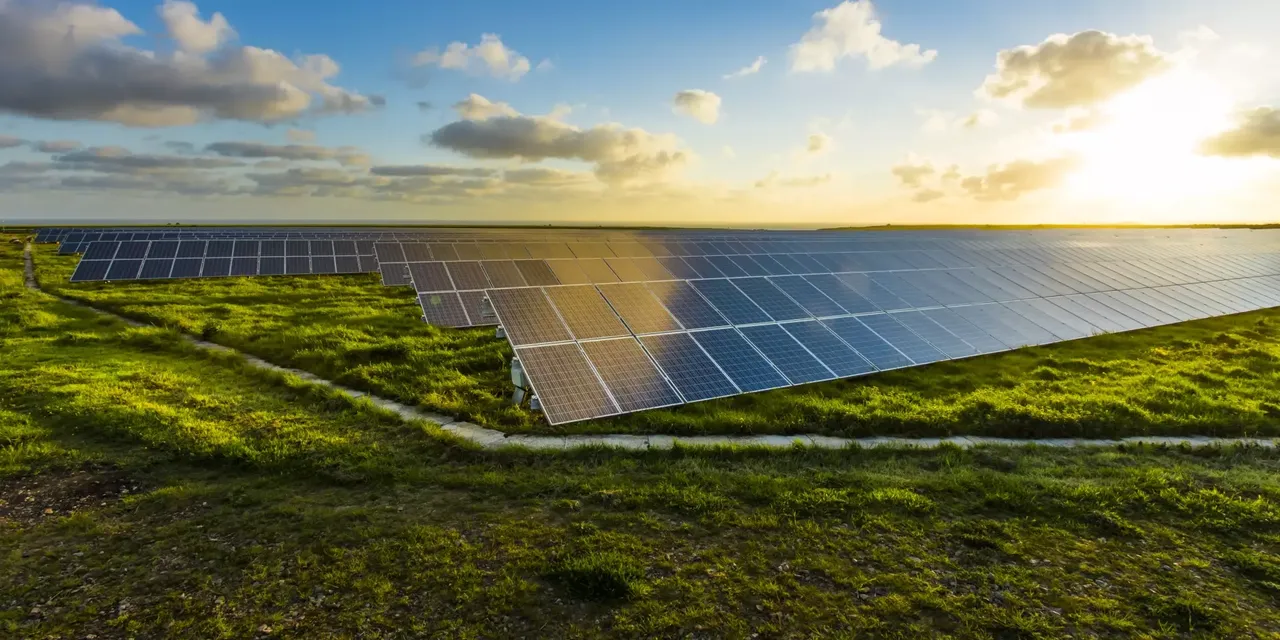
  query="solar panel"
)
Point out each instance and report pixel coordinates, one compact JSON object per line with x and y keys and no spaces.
{"x":690,"y":308}
{"x":951,"y":294}
{"x":585,"y":312}
{"x":748,"y":370}
{"x":730,"y":301}
{"x":536,"y":273}
{"x":867,"y":343}
{"x":528,"y":316}
{"x":790,"y":357}
{"x":124,"y":269}
{"x":629,"y":375}
{"x":90,"y":271}
{"x":444,"y":309}
{"x":429,"y":276}
{"x":567,"y":386}
{"x":638,"y":308}
{"x":831,"y":350}
{"x":902,"y":338}
{"x":503,"y":273}
{"x":689,"y":368}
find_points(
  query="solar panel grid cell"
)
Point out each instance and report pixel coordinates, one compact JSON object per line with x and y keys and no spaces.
{"x":630,"y":376}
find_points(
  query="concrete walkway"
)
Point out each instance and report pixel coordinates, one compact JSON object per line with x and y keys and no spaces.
{"x":492,"y":439}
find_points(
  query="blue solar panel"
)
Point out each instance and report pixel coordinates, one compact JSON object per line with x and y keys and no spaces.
{"x":902,"y":338}
{"x":867,"y":343}
{"x":688,"y":367}
{"x":730,"y":301}
{"x":789,"y":356}
{"x":833,"y":352}
{"x":747,"y":368}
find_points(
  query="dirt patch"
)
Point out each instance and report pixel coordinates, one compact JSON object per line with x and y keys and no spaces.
{"x":29,"y":500}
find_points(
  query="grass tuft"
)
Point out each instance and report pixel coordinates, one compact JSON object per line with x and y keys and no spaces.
{"x":599,"y":576}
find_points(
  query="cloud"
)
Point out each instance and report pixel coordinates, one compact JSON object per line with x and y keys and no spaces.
{"x":118,"y":160}
{"x":1258,"y":134}
{"x":1078,"y":120}
{"x":748,"y":70}
{"x":9,"y":142}
{"x":478,"y":107}
{"x":728,"y":152}
{"x":343,"y":155}
{"x":421,"y":170}
{"x":620,"y":155}
{"x":700,"y":105}
{"x":300,"y":135}
{"x":55,"y":146}
{"x":775,"y":179}
{"x":542,"y":176}
{"x":928,"y":195}
{"x":490,"y":57}
{"x":193,"y":35}
{"x":69,"y":61}
{"x":425,"y":106}
{"x":912,"y":172}
{"x":980,"y":118}
{"x":179,"y":146}
{"x":1011,"y":181}
{"x":1073,"y":71}
{"x":818,"y":144}
{"x":939,"y":121}
{"x":851,"y":30}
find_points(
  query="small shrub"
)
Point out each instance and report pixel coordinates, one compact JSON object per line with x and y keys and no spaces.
{"x":599,"y":577}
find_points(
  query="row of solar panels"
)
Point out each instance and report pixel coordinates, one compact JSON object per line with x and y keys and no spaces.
{"x":753,"y":299}
{"x":584,"y":364}
{"x":823,"y":294}
{"x":1089,"y":273}
{"x":917,"y":256}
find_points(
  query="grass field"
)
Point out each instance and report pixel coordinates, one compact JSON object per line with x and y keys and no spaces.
{"x":150,"y":489}
{"x":1211,"y":377}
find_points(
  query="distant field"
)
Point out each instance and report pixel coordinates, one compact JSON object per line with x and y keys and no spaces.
{"x":1217,"y":376}
{"x":150,"y":489}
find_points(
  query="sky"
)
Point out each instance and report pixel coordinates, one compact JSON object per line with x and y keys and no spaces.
{"x":749,"y":113}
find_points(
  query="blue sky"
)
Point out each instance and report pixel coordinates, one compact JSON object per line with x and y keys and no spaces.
{"x":622,"y":63}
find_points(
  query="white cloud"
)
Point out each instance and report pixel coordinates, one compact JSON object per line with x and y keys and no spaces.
{"x":851,"y":30}
{"x":1073,"y":71}
{"x":68,"y":61}
{"x":750,"y":69}
{"x":478,"y":107}
{"x":490,"y":56}
{"x":728,"y":153}
{"x":700,"y":105}
{"x":193,"y":35}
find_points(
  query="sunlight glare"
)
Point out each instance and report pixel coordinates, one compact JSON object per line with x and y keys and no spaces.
{"x":1145,"y":151}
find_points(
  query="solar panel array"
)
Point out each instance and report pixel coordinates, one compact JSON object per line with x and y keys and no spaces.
{"x":610,"y":322}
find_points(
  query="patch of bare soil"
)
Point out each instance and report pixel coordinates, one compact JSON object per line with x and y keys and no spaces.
{"x":29,"y":500}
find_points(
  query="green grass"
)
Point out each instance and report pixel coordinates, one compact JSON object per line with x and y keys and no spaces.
{"x":1218,"y":376}
{"x":152,"y":490}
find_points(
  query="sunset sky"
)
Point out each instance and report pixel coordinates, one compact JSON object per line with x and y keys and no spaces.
{"x":752,"y":112}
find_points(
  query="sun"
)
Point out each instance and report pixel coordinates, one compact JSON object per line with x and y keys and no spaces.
{"x":1144,"y":150}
